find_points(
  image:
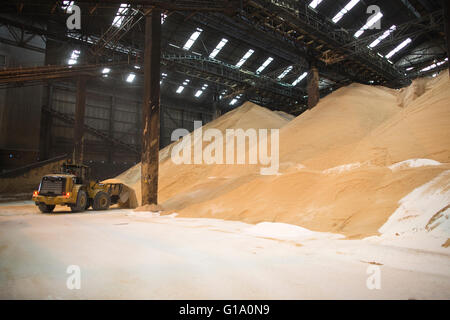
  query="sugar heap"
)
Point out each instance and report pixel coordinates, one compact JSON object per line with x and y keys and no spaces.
{"x":345,"y":165}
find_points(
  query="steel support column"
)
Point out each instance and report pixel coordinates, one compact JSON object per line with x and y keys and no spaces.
{"x":111,"y":128}
{"x":216,"y":107}
{"x":138,"y":128}
{"x":150,"y":109}
{"x":46,"y":128}
{"x":79,"y":120}
{"x":313,"y":87}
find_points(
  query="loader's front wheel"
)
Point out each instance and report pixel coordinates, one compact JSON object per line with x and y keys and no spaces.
{"x":102,"y":201}
{"x":46,"y":208}
{"x":82,"y":200}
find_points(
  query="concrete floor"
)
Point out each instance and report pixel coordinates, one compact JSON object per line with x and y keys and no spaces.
{"x":128,"y":255}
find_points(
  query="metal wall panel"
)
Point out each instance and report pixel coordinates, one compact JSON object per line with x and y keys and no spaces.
{"x":20,"y":107}
{"x":125,"y":108}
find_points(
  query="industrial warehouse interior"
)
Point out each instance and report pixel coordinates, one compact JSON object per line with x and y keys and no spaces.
{"x":224,"y":150}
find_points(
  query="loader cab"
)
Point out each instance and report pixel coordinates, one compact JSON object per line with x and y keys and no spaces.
{"x":81,"y":172}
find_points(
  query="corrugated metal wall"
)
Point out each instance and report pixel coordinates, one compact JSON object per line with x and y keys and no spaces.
{"x":20,"y":107}
{"x":116,"y":112}
{"x":173,"y":118}
{"x":114,"y":116}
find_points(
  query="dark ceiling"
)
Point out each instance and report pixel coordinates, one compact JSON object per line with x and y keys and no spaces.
{"x":179,"y":25}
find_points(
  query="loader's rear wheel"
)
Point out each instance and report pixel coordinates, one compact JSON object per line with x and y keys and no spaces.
{"x":45,"y":208}
{"x":102,"y":201}
{"x":82,"y":201}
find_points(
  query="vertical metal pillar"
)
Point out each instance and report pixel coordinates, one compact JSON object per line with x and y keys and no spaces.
{"x":150,"y":109}
{"x":216,"y":107}
{"x":162,"y":130}
{"x":46,"y":127}
{"x":182,"y":118}
{"x":79,"y":120}
{"x":111,"y":129}
{"x":313,"y":87}
{"x":137,"y":137}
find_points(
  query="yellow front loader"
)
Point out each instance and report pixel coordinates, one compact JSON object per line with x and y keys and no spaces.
{"x":72,"y":187}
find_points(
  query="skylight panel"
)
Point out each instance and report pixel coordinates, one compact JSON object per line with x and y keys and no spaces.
{"x":219,"y":47}
{"x":192,"y":39}
{"x":315,"y":3}
{"x":302,"y":76}
{"x":74,"y":57}
{"x":345,"y":10}
{"x":245,"y":58}
{"x":106,"y":70}
{"x":120,"y":15}
{"x":181,"y":87}
{"x":434,"y":65}
{"x":75,"y":54}
{"x":383,"y":36}
{"x":264,"y":65}
{"x":163,"y":76}
{"x":131,"y":77}
{"x":200,"y":91}
{"x":67,"y":4}
{"x":236,"y":99}
{"x":222,"y":94}
{"x":284,"y":73}
{"x":368,"y":24}
{"x":398,"y":48}
{"x":163,"y":18}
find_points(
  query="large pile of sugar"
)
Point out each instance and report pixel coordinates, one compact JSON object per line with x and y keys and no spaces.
{"x":186,"y":183}
{"x":344,"y":165}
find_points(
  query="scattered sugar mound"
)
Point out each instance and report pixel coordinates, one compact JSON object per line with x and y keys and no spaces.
{"x":414,"y":163}
{"x":343,"y":168}
{"x":150,"y":208}
{"x":425,"y":209}
{"x":283,"y":231}
{"x":422,"y":220}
